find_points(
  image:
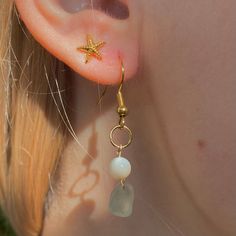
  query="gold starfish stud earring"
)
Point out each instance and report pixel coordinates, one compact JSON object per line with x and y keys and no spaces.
{"x":91,"y":49}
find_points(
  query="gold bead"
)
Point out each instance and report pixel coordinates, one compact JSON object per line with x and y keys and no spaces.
{"x":122,"y":111}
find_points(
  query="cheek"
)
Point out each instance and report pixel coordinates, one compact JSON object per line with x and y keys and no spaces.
{"x":193,"y":85}
{"x":204,"y":153}
{"x":199,"y":118}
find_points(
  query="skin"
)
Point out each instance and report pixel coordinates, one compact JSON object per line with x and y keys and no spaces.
{"x":180,"y":61}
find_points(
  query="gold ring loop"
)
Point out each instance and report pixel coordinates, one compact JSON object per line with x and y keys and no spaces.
{"x":121,"y":146}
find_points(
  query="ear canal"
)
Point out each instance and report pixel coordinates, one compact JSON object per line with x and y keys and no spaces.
{"x":114,"y":8}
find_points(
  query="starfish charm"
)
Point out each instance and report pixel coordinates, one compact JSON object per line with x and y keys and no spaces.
{"x":91,"y":49}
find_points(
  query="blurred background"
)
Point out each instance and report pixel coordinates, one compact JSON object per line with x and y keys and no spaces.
{"x":5,"y":227}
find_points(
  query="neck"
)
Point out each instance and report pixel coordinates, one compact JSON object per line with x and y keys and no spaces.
{"x":163,"y":204}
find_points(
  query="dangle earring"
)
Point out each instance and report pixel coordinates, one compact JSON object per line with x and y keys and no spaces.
{"x":122,"y":197}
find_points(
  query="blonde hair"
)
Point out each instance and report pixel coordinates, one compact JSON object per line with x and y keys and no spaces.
{"x":32,"y":133}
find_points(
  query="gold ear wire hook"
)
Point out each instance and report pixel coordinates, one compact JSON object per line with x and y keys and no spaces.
{"x":122,"y":109}
{"x":122,"y":76}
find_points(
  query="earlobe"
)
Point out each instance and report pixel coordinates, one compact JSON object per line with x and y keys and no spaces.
{"x":63,"y":32}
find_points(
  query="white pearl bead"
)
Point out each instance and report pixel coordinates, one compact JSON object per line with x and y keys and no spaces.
{"x":120,"y":168}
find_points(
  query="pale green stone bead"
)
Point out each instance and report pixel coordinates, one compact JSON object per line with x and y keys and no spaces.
{"x":122,"y":200}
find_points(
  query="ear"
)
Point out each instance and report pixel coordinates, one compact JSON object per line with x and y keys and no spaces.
{"x":62,"y":26}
